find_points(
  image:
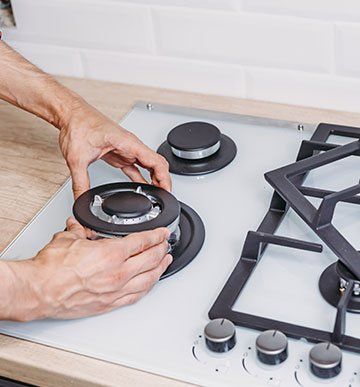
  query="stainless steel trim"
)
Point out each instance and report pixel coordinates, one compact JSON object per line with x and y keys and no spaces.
{"x":196,"y":155}
{"x":214,"y":115}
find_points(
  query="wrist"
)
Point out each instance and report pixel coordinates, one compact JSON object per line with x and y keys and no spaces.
{"x":78,"y":113}
{"x":19,"y":300}
{"x":63,"y":106}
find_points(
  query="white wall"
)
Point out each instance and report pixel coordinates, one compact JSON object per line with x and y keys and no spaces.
{"x":303,"y":52}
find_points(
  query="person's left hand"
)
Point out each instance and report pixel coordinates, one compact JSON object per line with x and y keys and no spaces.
{"x":89,"y":136}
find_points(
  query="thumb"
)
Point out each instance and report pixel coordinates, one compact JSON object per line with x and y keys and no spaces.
{"x":73,"y":226}
{"x":80,"y":180}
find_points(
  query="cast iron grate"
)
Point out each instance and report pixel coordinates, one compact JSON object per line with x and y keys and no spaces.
{"x":289,"y":192}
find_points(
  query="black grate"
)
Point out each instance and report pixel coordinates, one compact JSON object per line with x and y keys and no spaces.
{"x":289,"y":192}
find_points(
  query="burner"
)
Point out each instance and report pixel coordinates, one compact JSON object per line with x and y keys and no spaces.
{"x":197,"y":148}
{"x":333,"y":282}
{"x":119,"y":209}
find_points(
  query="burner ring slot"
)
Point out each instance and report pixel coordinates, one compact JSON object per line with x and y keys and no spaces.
{"x":152,"y":210}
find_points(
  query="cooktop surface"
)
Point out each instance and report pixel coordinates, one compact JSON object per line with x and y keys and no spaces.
{"x":164,"y":332}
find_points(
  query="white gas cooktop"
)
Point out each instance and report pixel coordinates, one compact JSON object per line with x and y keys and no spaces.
{"x":163,"y":333}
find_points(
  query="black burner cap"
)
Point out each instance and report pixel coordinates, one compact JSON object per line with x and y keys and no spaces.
{"x":126,"y":204}
{"x":193,"y":136}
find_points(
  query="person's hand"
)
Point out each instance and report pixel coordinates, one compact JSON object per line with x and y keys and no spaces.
{"x":75,"y":277}
{"x":88,"y":136}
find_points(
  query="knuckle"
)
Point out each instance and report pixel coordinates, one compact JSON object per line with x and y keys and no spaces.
{"x":142,"y":244}
{"x":165,"y":163}
{"x":165,"y":246}
{"x":110,"y":246}
{"x":160,"y":251}
{"x":160,"y":234}
{"x":119,"y":277}
{"x":58,"y":235}
{"x":73,"y":158}
{"x":79,"y":244}
{"x":150,"y":281}
{"x":133,"y":298}
{"x":104,"y":302}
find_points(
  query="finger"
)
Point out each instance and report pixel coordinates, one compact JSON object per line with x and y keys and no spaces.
{"x":134,"y":174}
{"x":147,"y":260}
{"x":141,"y":284}
{"x":91,"y":234}
{"x":116,"y":160}
{"x":145,"y":281}
{"x":157,"y":165}
{"x":75,"y":228}
{"x":136,"y":243}
{"x":80,"y":180}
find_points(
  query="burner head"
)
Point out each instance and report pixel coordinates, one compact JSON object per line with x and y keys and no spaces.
{"x":119,"y":209}
{"x":197,"y":148}
{"x":333,"y":282}
{"x":127,"y":204}
{"x":194,"y":140}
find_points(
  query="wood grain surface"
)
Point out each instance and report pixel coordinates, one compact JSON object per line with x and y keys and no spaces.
{"x":32,"y":170}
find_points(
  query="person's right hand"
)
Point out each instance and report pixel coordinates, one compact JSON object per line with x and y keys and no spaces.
{"x":75,"y":277}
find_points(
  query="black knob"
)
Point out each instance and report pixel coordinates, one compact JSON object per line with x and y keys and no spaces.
{"x":272,"y":347}
{"x":325,"y":360}
{"x":220,"y":335}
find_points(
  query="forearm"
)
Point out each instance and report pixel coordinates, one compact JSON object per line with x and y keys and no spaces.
{"x":24,"y":85}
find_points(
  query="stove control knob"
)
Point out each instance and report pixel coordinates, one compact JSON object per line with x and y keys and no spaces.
{"x":272,"y":347}
{"x":325,"y":360}
{"x":220,"y":335}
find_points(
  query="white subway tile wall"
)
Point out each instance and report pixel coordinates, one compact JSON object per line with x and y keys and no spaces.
{"x":298,"y":52}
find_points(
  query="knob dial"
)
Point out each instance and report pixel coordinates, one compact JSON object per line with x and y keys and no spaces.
{"x":325,"y":360}
{"x":220,"y":335}
{"x":272,"y":347}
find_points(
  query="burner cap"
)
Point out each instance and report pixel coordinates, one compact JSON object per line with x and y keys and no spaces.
{"x":194,"y":140}
{"x":197,"y":148}
{"x":126,"y":204}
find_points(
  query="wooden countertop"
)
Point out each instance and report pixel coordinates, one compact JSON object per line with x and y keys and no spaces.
{"x":32,"y":170}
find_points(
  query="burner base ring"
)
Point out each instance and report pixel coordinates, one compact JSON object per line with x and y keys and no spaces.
{"x":224,"y":156}
{"x":191,"y":240}
{"x":329,"y":283}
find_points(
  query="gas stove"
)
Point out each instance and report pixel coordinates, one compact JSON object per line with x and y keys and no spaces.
{"x":265,"y":288}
